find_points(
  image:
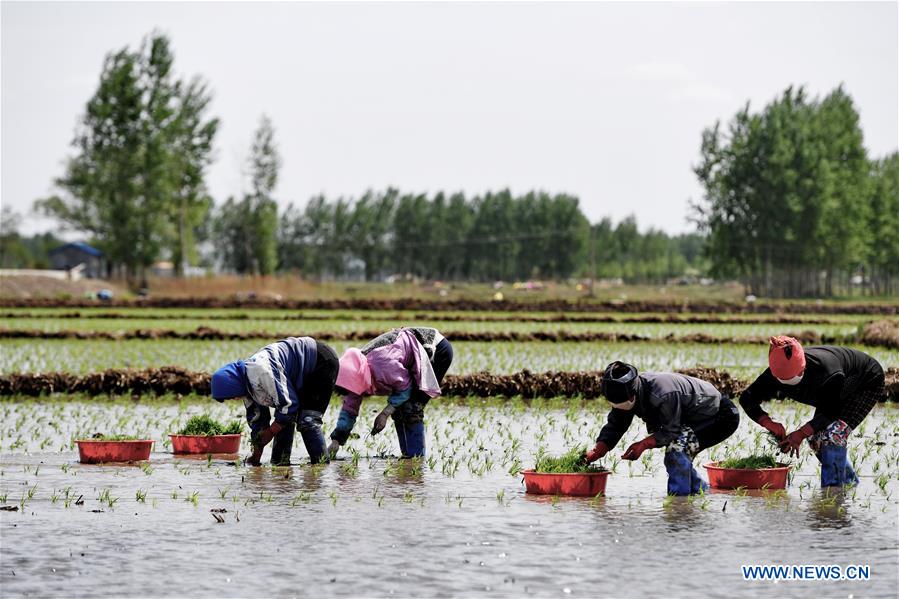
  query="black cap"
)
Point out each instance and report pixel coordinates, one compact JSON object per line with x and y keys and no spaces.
{"x":619,"y":382}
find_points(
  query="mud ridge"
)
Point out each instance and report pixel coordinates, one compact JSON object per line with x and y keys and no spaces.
{"x":176,"y":380}
{"x":564,"y":306}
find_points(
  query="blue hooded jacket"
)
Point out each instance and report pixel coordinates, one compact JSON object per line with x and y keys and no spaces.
{"x":270,"y":378}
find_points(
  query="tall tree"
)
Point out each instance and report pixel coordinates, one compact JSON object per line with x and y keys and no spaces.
{"x":247,"y":231}
{"x":136,"y":181}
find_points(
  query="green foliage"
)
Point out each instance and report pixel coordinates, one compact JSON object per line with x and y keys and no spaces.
{"x":788,"y":196}
{"x":17,"y":251}
{"x":102,"y":437}
{"x":206,"y":425}
{"x":247,"y":230}
{"x":754,"y":462}
{"x":572,"y":461}
{"x":136,"y":181}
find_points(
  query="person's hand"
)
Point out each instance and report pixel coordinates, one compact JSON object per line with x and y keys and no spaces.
{"x":634,"y":451}
{"x":599,"y":450}
{"x":266,"y":436}
{"x":381,"y":419}
{"x":774,"y":427}
{"x":333,"y":448}
{"x":790,"y":445}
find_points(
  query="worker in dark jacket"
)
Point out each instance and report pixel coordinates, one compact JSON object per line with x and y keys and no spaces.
{"x":842,"y":384}
{"x":293,"y":377}
{"x":683,"y":414}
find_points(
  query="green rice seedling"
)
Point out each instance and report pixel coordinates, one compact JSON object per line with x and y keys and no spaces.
{"x":206,"y":425}
{"x":54,"y":497}
{"x":3,"y":497}
{"x":140,"y":495}
{"x":223,"y":492}
{"x":103,"y":437}
{"x":194,"y":497}
{"x":755,"y":462}
{"x":575,"y":460}
{"x":303,"y":497}
{"x":146,"y":468}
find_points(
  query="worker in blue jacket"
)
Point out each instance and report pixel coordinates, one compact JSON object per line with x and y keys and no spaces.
{"x":682,"y":413}
{"x":294,"y":377}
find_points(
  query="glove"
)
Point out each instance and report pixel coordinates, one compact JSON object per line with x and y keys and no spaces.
{"x":266,"y":436}
{"x":255,"y":458}
{"x":633,"y":452}
{"x":381,"y":419}
{"x":790,"y":445}
{"x":776,"y":428}
{"x":333,"y":447}
{"x":598,"y":451}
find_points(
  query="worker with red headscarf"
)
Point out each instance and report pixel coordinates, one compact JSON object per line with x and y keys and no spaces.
{"x":842,"y":384}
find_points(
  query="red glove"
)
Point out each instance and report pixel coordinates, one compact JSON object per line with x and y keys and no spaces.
{"x":791,"y":444}
{"x":598,"y":451}
{"x":633,"y":452}
{"x":776,"y":428}
{"x":266,"y":436}
{"x":256,"y":457}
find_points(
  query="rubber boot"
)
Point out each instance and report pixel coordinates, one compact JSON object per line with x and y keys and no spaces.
{"x":697,"y":485}
{"x":282,"y":446}
{"x":314,"y":440}
{"x":680,"y":473}
{"x":401,"y":437}
{"x":415,"y":440}
{"x":836,"y":471}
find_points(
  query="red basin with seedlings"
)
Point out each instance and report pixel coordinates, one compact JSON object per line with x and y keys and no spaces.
{"x":205,"y":443}
{"x":95,"y":451}
{"x":747,"y":478}
{"x":580,"y":484}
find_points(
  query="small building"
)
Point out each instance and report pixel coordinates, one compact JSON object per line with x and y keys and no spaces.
{"x":71,"y":255}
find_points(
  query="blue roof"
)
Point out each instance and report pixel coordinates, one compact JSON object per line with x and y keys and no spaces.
{"x":78,"y":245}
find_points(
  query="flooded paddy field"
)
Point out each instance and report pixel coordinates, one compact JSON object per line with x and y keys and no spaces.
{"x":456,"y":523}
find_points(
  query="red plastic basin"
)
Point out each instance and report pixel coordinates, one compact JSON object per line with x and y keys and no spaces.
{"x":582,"y":484}
{"x":733,"y":478}
{"x":205,"y":443}
{"x":92,"y":451}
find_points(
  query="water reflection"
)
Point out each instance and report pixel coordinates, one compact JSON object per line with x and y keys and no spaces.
{"x":828,"y":510}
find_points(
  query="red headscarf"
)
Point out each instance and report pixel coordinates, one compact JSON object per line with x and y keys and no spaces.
{"x":786,"y":359}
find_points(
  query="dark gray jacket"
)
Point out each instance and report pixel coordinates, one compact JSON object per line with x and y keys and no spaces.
{"x":833,"y":375}
{"x":666,"y":402}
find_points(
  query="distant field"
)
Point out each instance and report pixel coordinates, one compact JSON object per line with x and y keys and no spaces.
{"x":654,"y":352}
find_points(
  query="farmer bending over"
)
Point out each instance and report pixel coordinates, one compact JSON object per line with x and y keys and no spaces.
{"x":295,"y":376}
{"x":407,"y":365}
{"x":682,"y":413}
{"x":842,"y":383}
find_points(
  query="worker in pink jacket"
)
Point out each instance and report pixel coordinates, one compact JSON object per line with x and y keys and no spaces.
{"x":407,"y":365}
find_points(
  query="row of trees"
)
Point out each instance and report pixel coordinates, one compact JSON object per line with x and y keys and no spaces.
{"x":136,"y":185}
{"x":450,"y":236}
{"x":793,"y":204}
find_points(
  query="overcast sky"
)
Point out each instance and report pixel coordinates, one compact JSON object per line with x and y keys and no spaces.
{"x":606,"y":101}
